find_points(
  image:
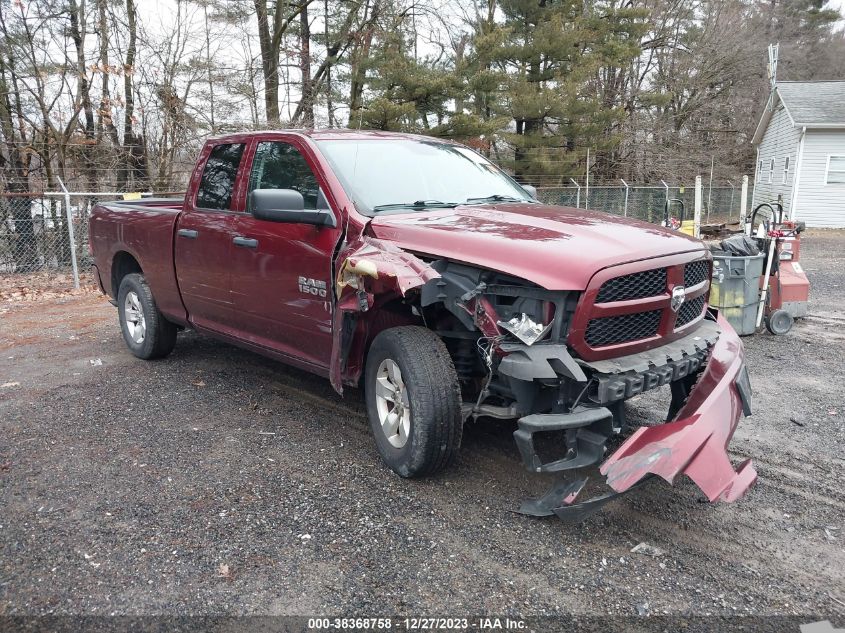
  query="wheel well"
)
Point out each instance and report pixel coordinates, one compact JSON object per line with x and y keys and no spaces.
{"x":392,"y":313}
{"x":123,"y":264}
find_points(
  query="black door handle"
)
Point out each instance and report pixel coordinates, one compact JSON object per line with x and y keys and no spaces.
{"x":246,"y":242}
{"x":189,"y":233}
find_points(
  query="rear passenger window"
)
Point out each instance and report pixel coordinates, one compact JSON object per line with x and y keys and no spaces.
{"x":218,"y":177}
{"x":278,"y":165}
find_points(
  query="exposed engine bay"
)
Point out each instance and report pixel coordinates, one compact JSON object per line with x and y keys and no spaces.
{"x":515,"y":347}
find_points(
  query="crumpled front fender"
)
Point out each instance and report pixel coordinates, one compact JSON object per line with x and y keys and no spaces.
{"x":368,"y":270}
{"x":696,"y":442}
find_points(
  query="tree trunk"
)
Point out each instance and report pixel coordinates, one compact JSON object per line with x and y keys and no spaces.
{"x":89,"y":167}
{"x":208,"y":71}
{"x":107,"y":125}
{"x":307,"y":105}
{"x":344,"y":40}
{"x":16,"y":166}
{"x":361,"y":55}
{"x":133,"y":144}
{"x":269,"y":64}
{"x":329,"y":106}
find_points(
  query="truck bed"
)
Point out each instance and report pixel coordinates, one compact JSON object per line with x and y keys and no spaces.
{"x":173,"y":204}
{"x":142,"y":230}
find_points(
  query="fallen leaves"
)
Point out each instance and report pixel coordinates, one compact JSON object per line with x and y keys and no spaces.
{"x":45,"y":285}
{"x":223,"y":571}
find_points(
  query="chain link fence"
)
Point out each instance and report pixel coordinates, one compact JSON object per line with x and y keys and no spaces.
{"x":648,"y":203}
{"x":46,"y":231}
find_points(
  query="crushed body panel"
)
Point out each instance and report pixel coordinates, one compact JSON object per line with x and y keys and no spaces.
{"x":696,"y":442}
{"x":369,"y":270}
{"x":513,"y":238}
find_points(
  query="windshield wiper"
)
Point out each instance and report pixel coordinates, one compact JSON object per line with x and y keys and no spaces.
{"x":496,"y":197}
{"x":419,"y":204}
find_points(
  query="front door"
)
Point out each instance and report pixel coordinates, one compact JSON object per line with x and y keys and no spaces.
{"x":204,"y":242}
{"x":282,"y":272}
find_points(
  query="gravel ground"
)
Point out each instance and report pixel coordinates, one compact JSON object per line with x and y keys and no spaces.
{"x":218,"y":482}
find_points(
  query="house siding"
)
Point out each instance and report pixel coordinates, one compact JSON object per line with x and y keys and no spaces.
{"x":820,"y":204}
{"x":779,"y":142}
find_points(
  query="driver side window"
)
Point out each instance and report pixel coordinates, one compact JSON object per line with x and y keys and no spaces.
{"x":279,"y":165}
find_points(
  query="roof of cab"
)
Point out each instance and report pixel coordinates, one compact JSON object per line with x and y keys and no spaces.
{"x":332,"y":134}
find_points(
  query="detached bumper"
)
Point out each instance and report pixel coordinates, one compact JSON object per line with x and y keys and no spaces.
{"x":696,"y":443}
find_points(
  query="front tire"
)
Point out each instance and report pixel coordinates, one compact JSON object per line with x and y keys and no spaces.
{"x":146,"y":332}
{"x":413,"y":401}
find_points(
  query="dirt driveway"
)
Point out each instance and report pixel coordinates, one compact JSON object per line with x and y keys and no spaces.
{"x":219,"y":482}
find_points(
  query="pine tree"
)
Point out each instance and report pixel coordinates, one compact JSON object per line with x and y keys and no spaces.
{"x":547,"y":53}
{"x":427,"y":96}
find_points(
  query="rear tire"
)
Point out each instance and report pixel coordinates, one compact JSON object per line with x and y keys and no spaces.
{"x":413,"y":401}
{"x":779,"y":322}
{"x":146,"y":332}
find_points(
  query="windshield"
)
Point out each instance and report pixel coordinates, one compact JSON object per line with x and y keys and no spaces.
{"x":385,"y":174}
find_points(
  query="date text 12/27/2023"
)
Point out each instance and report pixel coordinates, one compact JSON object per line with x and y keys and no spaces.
{"x":417,"y":624}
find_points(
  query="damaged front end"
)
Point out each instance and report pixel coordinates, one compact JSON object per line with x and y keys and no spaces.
{"x":549,"y":360}
{"x":370,"y":273}
{"x":710,"y":392}
{"x":695,"y":442}
{"x":564,"y":363}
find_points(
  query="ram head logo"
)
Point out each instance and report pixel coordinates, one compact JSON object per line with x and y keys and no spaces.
{"x":679,"y":295}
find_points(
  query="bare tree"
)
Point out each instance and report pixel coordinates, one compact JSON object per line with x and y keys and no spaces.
{"x":270,"y":35}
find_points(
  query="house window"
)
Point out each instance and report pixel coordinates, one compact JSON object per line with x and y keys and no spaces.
{"x":771,"y":169}
{"x":835,"y":170}
{"x":785,"y":170}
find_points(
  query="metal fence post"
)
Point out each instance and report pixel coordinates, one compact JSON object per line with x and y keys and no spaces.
{"x":663,"y":182}
{"x":625,"y":208}
{"x":71,"y":236}
{"x":710,"y":189}
{"x":577,"y":194}
{"x":587,"y":192}
{"x":699,"y":195}
{"x":743,"y":205}
{"x":731,"y":209}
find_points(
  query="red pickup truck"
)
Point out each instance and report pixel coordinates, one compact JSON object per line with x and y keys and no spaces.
{"x":416,"y":269}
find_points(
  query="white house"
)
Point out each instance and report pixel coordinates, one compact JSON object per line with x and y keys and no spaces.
{"x":800,"y":143}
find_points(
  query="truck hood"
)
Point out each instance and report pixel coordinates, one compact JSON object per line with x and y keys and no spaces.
{"x":557,"y":248}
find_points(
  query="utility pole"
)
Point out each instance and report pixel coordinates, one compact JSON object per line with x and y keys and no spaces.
{"x":773,"y":72}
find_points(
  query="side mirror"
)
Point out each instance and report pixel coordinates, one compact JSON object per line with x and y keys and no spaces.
{"x":531,"y":189}
{"x":287,"y":205}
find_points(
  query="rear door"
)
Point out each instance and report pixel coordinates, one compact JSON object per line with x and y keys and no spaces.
{"x":281,"y":272}
{"x":204,"y":241}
